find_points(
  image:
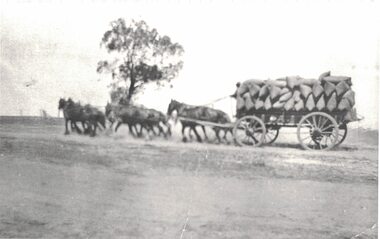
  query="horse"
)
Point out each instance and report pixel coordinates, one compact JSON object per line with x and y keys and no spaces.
{"x":97,"y":116}
{"x":74,"y":112}
{"x":160,"y":118}
{"x":130,"y":115}
{"x":198,"y":113}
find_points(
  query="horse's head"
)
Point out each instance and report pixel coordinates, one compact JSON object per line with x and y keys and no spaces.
{"x":61,"y":103}
{"x":70,"y":101}
{"x":108,"y":109}
{"x":173,"y":106}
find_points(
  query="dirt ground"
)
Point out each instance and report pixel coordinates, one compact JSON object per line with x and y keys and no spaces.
{"x":114,"y":186}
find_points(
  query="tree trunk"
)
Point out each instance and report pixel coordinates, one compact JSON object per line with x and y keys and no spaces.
{"x":132,"y":88}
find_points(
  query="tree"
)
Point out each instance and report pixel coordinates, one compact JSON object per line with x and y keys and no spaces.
{"x":138,"y":55}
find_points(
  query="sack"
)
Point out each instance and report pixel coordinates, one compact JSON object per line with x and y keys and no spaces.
{"x":247,"y":85}
{"x":292,"y":81}
{"x":239,"y":103}
{"x":274,"y":91}
{"x":350,"y":96}
{"x":341,"y":88}
{"x":337,"y":79}
{"x":285,"y":97}
{"x":254,"y":90}
{"x":344,"y":104}
{"x":284,"y":90}
{"x":299,"y":106}
{"x":308,"y":82}
{"x":278,"y":105}
{"x":317,"y":90}
{"x":289,"y":104}
{"x":332,"y":102}
{"x":259,"y":104}
{"x":296,"y":96}
{"x":268,"y":103}
{"x":264,"y":91}
{"x":310,"y":104}
{"x":278,"y":83}
{"x":248,"y":101}
{"x":323,"y":75}
{"x":329,"y":88}
{"x":350,"y":116}
{"x":321,"y":103}
{"x":305,"y":90}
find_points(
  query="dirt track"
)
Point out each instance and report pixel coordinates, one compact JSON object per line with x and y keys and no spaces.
{"x":57,"y":186}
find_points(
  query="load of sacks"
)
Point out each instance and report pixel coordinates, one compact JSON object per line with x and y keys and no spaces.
{"x":293,"y":93}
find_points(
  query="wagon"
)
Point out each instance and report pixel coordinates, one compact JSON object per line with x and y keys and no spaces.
{"x":316,"y":130}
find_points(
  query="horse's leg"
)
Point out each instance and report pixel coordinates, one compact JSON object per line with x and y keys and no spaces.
{"x":130,"y":127}
{"x":169,"y":130}
{"x":184,"y":139}
{"x":67,"y":130}
{"x":118,"y":125}
{"x":72,"y":126}
{"x":93,"y":131}
{"x":77,"y":128}
{"x":161,"y":130}
{"x":86,"y":129}
{"x":225,"y":135}
{"x":217,"y":131}
{"x":196,"y":133}
{"x":204,"y":131}
{"x":190,"y":134}
{"x":140,"y":133}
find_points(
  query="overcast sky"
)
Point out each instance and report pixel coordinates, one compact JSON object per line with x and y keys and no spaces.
{"x":54,"y":45}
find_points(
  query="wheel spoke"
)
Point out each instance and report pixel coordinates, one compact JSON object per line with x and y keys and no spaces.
{"x":322,"y":123}
{"x":315,"y":124}
{"x":308,"y":136}
{"x":328,"y":127}
{"x":311,"y":124}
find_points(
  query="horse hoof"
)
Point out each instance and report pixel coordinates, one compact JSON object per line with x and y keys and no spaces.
{"x":66,"y":133}
{"x":184,"y":140}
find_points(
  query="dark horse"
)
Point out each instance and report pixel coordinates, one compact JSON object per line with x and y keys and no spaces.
{"x":133,"y":116}
{"x":74,"y":112}
{"x":199,"y":113}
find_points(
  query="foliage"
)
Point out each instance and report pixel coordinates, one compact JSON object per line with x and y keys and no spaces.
{"x":138,"y":55}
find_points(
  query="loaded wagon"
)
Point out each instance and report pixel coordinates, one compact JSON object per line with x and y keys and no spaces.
{"x":319,"y":109}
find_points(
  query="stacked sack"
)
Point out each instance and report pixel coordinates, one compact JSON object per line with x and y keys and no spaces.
{"x":293,"y":93}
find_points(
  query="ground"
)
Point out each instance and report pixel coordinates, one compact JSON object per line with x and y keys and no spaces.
{"x":114,"y":186}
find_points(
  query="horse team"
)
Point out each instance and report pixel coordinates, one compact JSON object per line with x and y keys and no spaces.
{"x":140,"y":119}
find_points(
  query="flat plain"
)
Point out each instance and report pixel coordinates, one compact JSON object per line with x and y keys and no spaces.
{"x":116,"y":186}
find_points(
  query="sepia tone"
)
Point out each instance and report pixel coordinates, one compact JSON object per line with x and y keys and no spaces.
{"x":189,"y":119}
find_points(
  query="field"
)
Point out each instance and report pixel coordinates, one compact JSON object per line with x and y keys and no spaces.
{"x":115,"y":186}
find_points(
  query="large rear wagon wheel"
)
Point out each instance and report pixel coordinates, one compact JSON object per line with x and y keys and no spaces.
{"x":249,"y":131}
{"x":317,"y":131}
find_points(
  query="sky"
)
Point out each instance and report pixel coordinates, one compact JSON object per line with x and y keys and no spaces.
{"x":50,"y":49}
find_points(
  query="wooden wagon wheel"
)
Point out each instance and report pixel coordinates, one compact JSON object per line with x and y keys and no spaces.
{"x":249,"y":130}
{"x":317,"y":131}
{"x":342,"y":133}
{"x":271,"y":134}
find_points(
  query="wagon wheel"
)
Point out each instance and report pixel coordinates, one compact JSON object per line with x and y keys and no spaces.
{"x":318,"y":131}
{"x":342,"y":133}
{"x":271,"y":134}
{"x":249,"y":130}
